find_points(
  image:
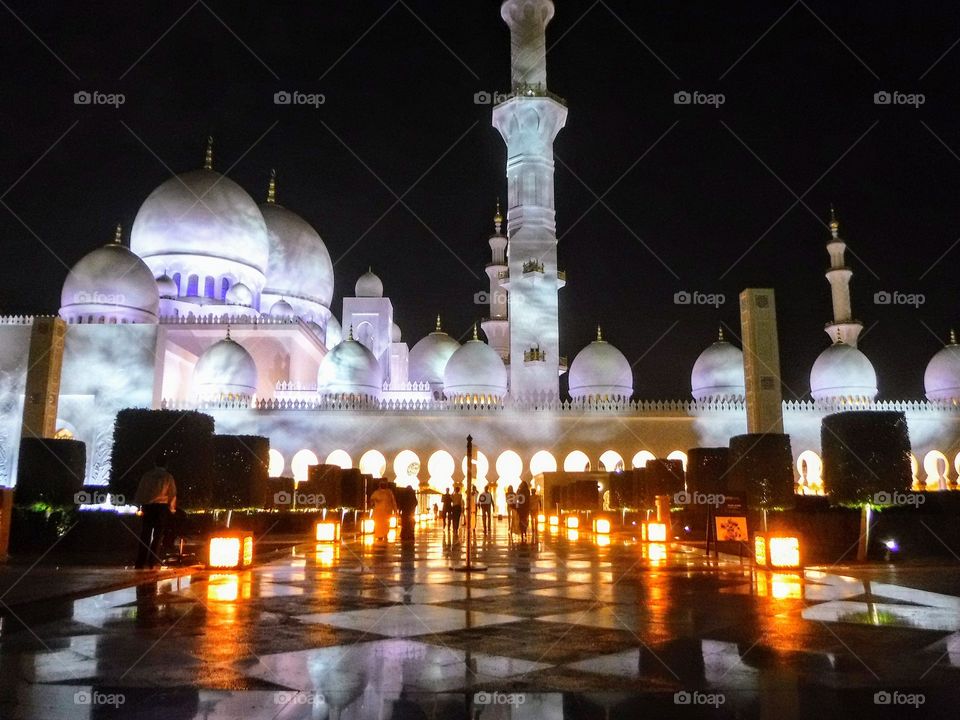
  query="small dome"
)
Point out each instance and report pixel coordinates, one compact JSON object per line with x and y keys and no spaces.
{"x":843,"y":372}
{"x":282,"y":309}
{"x":600,"y":370}
{"x":166,"y":287}
{"x":369,"y":285}
{"x":941,"y":381}
{"x":225,"y":371}
{"x":239,"y":294}
{"x":299,"y":265}
{"x":350,"y":369}
{"x":718,"y":373}
{"x":315,"y":329}
{"x":475,"y":369}
{"x":429,"y":356}
{"x":110,"y":284}
{"x":395,"y":334}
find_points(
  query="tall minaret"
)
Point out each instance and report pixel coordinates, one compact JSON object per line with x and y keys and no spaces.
{"x":529,"y":121}
{"x":497,"y":327}
{"x":843,"y":327}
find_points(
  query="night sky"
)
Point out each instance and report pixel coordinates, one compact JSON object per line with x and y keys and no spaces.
{"x":712,"y":206}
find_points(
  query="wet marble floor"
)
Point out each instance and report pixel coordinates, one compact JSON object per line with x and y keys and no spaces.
{"x":567,"y":628}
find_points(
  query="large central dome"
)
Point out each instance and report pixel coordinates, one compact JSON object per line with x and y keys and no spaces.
{"x":718,"y":373}
{"x":842,"y":372}
{"x":201,"y":212}
{"x":428,"y":358}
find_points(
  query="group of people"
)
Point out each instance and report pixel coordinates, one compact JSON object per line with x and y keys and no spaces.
{"x":386,"y":503}
{"x":522,"y":505}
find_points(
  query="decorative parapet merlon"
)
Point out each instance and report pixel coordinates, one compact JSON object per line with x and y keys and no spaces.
{"x":530,"y":90}
{"x":534,"y":355}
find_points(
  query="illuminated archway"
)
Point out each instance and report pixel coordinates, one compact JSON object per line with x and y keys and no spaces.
{"x":441,"y":467}
{"x":299,"y":466}
{"x":480,"y":468}
{"x":640,"y":459}
{"x":611,"y":461}
{"x":577,"y":461}
{"x":810,"y":470}
{"x":340,"y":458}
{"x":277,"y":463}
{"x":937,"y":467}
{"x":679,"y":455}
{"x":372,"y":462}
{"x":406,"y":468}
{"x":541,"y":462}
{"x":915,"y":471}
{"x":509,"y":467}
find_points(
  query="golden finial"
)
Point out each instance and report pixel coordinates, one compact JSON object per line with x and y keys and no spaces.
{"x":599,"y":334}
{"x":839,"y":336}
{"x":834,"y":224}
{"x":228,"y":332}
{"x":475,"y":336}
{"x":272,"y":187}
{"x":720,"y":335}
{"x":498,"y":218}
{"x":208,"y":155}
{"x":439,"y":329}
{"x":118,"y":235}
{"x":350,"y":332}
{"x":953,"y":337}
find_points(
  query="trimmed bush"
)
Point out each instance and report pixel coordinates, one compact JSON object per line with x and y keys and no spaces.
{"x":706,"y":469}
{"x":240,"y":471}
{"x":761,"y":469}
{"x":50,"y":471}
{"x":865,"y":453}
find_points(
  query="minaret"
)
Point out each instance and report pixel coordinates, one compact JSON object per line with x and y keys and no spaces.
{"x":843,"y":327}
{"x":529,"y":121}
{"x":496,"y":326}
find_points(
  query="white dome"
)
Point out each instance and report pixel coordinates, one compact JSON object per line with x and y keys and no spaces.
{"x":110,"y":283}
{"x":282,"y":309}
{"x":350,"y":369}
{"x":225,"y":371}
{"x":600,"y":370}
{"x":198,"y":215}
{"x":474,"y":369}
{"x":843,"y":372}
{"x":316,"y":329}
{"x":395,"y":334}
{"x":718,"y":373}
{"x":941,"y":381}
{"x":429,"y":356}
{"x":166,"y":287}
{"x":239,"y":294}
{"x":299,"y":265}
{"x":368,"y":285}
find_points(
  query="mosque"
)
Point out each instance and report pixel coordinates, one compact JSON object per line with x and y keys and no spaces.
{"x":222,"y":304}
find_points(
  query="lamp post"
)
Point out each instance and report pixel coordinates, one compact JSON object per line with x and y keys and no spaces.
{"x":469,"y":566}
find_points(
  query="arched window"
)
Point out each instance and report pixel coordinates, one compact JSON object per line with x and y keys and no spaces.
{"x":208,"y":286}
{"x":224,"y":286}
{"x":176,"y":281}
{"x":193,"y":285}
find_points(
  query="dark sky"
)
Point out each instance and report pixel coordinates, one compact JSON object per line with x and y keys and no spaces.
{"x":711,"y":208}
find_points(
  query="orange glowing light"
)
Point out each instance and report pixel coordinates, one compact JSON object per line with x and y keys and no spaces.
{"x":366,"y":527}
{"x":231,"y":549}
{"x":554,"y":521}
{"x":776,"y":551}
{"x":328,"y":531}
{"x":601,"y":526}
{"x":603,"y":540}
{"x":541,"y":519}
{"x":573,"y":522}
{"x":655,"y":532}
{"x":393,"y":521}
{"x":573,"y":535}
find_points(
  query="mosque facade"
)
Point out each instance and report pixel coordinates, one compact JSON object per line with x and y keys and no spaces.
{"x":224,"y":305}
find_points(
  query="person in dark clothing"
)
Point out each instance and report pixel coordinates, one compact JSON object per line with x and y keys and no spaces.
{"x":445,"y":504}
{"x":157,"y":497}
{"x":523,"y":509}
{"x":485,"y":501}
{"x":456,"y":514}
{"x":407,"y":505}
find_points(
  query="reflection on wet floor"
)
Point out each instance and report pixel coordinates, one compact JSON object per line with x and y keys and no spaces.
{"x":565,"y":629}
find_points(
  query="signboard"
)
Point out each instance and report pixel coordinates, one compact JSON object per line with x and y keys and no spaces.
{"x":731,"y":528}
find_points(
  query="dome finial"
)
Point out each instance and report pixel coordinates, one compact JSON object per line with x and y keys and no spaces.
{"x":228,"y":332}
{"x":599,"y":334}
{"x":953,"y":337}
{"x":350,"y":332}
{"x":834,"y":224}
{"x":498,"y":218}
{"x":272,"y":187}
{"x":208,"y":155}
{"x":118,"y":235}
{"x":720,"y":335}
{"x":439,"y":329}
{"x":839,"y":337}
{"x":475,"y":336}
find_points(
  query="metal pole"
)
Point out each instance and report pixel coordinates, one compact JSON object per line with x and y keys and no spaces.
{"x":469,"y":493}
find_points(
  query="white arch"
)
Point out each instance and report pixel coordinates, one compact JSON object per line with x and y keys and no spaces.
{"x":576,"y":461}
{"x":406,"y":468}
{"x":480,"y":468}
{"x":915,"y":470}
{"x":810,"y":471}
{"x":299,"y":466}
{"x":372,"y":462}
{"x":542,"y":461}
{"x":641,"y":458}
{"x":509,"y":467}
{"x":441,"y":466}
{"x":340,"y":458}
{"x":277,"y":463}
{"x":936,"y":480}
{"x":611,"y":461}
{"x":679,"y":455}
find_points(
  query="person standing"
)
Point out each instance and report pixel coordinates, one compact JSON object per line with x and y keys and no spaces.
{"x":512,"y":528}
{"x":407,"y":503}
{"x":456,"y":513}
{"x":535,"y":514}
{"x":445,"y":507}
{"x":384,"y":505}
{"x":157,"y":497}
{"x":485,"y":501}
{"x":523,"y":509}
